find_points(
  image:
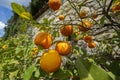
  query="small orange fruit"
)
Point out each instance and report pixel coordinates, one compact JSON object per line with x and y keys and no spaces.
{"x":91,"y":44}
{"x":94,"y":15}
{"x":66,"y":30}
{"x":61,"y":17}
{"x":54,"y":4}
{"x":77,"y":33}
{"x":63,"y":48}
{"x":50,"y":61}
{"x":4,"y":46}
{"x":115,"y":8}
{"x":43,"y":39}
{"x":35,"y":51}
{"x":83,"y":13}
{"x":85,"y":25}
{"x":87,"y":39}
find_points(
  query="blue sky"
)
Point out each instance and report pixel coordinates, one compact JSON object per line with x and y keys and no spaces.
{"x":6,"y":13}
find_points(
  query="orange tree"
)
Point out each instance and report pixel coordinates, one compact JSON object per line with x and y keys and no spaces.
{"x":84,"y":46}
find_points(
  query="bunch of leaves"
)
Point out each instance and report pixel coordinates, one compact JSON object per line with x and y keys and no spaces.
{"x":15,"y":57}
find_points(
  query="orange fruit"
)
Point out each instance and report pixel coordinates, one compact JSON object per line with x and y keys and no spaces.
{"x":66,"y":30}
{"x":91,"y":44}
{"x":4,"y":46}
{"x":83,"y":13}
{"x":54,"y":4}
{"x":87,"y":39}
{"x":50,"y":61}
{"x":94,"y":15}
{"x":61,"y":17}
{"x":85,"y":25}
{"x":35,"y":50}
{"x":115,"y":8}
{"x":63,"y":48}
{"x":77,"y":33}
{"x":43,"y":39}
{"x":34,"y":53}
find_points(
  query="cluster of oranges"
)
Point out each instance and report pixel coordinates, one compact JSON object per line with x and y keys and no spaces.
{"x":89,"y":40}
{"x":83,"y":13}
{"x":50,"y":60}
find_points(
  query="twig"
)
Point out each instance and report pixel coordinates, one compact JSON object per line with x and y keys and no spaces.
{"x":109,"y":5}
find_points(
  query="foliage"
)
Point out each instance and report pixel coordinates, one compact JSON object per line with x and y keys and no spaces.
{"x":15,"y":57}
{"x":83,"y":63}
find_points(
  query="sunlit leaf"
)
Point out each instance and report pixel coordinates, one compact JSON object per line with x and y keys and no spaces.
{"x":13,"y":74}
{"x":17,"y":8}
{"x":82,"y":71}
{"x":28,"y":73}
{"x":26,"y":15}
{"x":90,"y":71}
{"x":37,"y":73}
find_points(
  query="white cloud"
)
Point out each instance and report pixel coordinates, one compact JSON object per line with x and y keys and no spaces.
{"x":2,"y":25}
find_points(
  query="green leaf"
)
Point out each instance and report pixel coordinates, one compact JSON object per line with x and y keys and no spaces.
{"x":45,"y":20}
{"x":112,"y":75}
{"x":62,"y":74}
{"x":26,"y":15}
{"x":90,"y":71}
{"x":99,"y":73}
{"x":17,"y":8}
{"x":23,"y":27}
{"x":28,"y":73}
{"x":55,"y":33}
{"x":102,"y":20}
{"x":13,"y":75}
{"x":82,"y":71}
{"x":114,"y":68}
{"x":37,"y":73}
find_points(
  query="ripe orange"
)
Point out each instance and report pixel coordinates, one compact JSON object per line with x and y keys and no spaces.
{"x":61,"y":17}
{"x":66,"y":30}
{"x":83,"y":13}
{"x":50,"y":61}
{"x":85,"y":25}
{"x":43,"y":39}
{"x":87,"y":39}
{"x":63,"y":48}
{"x":54,"y":4}
{"x":92,"y":45}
